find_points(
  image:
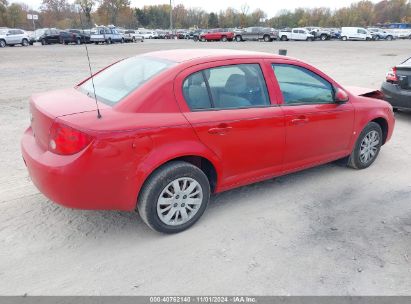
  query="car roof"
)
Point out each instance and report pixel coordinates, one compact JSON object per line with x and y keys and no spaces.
{"x":183,"y":55}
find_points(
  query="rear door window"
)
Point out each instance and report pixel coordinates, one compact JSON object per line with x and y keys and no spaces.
{"x":226,"y":87}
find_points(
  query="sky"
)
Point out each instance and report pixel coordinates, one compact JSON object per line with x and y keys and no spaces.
{"x":271,"y":7}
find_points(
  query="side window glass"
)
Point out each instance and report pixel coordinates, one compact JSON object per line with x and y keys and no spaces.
{"x":299,"y":85}
{"x":195,"y":92}
{"x":237,"y":86}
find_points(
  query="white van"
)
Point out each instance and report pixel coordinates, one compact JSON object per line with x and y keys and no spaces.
{"x":355,"y":33}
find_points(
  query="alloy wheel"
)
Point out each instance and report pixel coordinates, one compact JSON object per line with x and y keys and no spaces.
{"x":179,"y":201}
{"x":369,"y":146}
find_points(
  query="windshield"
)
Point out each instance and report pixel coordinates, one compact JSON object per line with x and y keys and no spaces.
{"x":38,"y":33}
{"x":119,"y":80}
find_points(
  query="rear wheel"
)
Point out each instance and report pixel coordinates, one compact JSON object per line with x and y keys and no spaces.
{"x":389,"y":38}
{"x":2,"y":43}
{"x":224,"y":39}
{"x":78,"y":41}
{"x":344,"y":38}
{"x":323,"y":37}
{"x":174,"y":197}
{"x":367,"y":147}
{"x":43,"y":41}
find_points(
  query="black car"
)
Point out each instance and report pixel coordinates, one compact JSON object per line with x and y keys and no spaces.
{"x":397,"y":86}
{"x":47,"y":35}
{"x":75,"y":36}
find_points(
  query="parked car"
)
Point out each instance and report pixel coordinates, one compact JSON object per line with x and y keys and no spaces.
{"x":132,"y":35}
{"x":217,"y":35}
{"x":256,"y":33}
{"x":82,"y":35}
{"x":160,"y":146}
{"x":397,"y":86}
{"x":148,"y":34}
{"x":380,"y":34}
{"x":47,"y":36}
{"x":12,"y":37}
{"x":355,"y":33}
{"x":67,"y":37}
{"x":319,"y":33}
{"x":296,"y":34}
{"x":105,"y":35}
{"x":195,"y":35}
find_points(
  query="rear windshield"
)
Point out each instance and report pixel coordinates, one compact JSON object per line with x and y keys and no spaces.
{"x":122,"y":78}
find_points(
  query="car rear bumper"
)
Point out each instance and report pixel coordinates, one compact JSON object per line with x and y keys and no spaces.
{"x":82,"y":180}
{"x":397,"y":97}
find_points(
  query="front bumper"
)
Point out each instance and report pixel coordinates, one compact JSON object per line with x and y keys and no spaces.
{"x":89,"y":179}
{"x":397,"y":97}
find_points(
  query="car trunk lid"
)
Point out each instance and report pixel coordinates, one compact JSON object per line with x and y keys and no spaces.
{"x":46,"y":107}
{"x":404,"y":76}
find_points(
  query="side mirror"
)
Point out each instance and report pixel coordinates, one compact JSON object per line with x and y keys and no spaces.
{"x":341,"y":96}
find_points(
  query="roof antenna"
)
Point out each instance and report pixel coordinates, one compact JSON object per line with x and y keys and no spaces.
{"x":89,"y":66}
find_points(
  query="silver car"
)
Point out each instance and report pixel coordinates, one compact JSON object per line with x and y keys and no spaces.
{"x":13,"y":37}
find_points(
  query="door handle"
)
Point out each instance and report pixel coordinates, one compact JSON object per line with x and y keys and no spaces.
{"x":221,"y":129}
{"x":300,"y":120}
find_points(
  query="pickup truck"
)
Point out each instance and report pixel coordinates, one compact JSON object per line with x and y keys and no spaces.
{"x":217,"y":35}
{"x":319,"y":33}
{"x":256,"y":33}
{"x":105,"y":34}
{"x":295,"y":34}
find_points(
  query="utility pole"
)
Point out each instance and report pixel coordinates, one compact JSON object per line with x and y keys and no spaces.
{"x":171,"y":18}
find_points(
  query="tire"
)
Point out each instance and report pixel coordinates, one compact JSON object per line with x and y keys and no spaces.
{"x":122,"y":40}
{"x":43,"y":41}
{"x":109,"y":41}
{"x":203,"y":39}
{"x":238,"y":38}
{"x":344,"y":38}
{"x":389,"y":38}
{"x":25,"y":42}
{"x":156,"y":187}
{"x":2,"y":43}
{"x":134,"y":39}
{"x":96,"y":43}
{"x":376,"y":38}
{"x":284,"y":38}
{"x":358,"y":160}
{"x":323,"y":37}
{"x":78,"y":41}
{"x":267,"y":38}
{"x":224,"y":39}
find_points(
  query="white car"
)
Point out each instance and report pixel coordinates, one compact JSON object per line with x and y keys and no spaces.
{"x":149,"y":34}
{"x":13,"y":37}
{"x":355,"y":33}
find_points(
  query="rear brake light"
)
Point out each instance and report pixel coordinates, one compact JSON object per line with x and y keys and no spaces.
{"x":65,"y":140}
{"x":392,"y":75}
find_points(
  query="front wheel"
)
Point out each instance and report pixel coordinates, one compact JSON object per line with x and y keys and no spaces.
{"x":174,"y":197}
{"x":367,"y":147}
{"x":267,"y":38}
{"x":238,"y":38}
{"x":224,"y":39}
{"x":389,"y":38}
{"x":344,"y":38}
{"x":25,"y":42}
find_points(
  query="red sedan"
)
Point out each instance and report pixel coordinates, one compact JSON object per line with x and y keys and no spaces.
{"x":178,"y":125}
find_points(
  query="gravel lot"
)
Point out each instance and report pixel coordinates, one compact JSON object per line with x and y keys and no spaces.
{"x":328,"y":230}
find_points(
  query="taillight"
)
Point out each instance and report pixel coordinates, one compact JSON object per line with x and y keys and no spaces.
{"x":65,"y":140}
{"x":392,"y":75}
